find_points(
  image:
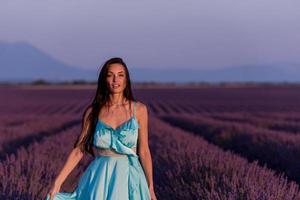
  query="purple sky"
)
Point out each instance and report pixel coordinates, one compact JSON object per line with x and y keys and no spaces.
{"x":165,"y":34}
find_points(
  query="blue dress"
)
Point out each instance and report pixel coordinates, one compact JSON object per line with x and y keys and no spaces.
{"x":112,"y":177}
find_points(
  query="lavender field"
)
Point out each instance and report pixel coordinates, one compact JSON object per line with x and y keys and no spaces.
{"x":211,"y":143}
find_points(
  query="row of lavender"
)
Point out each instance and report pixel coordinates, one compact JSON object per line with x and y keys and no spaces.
{"x":277,"y":150}
{"x":188,"y":167}
{"x":287,"y":123}
{"x":185,"y":167}
{"x":21,"y":130}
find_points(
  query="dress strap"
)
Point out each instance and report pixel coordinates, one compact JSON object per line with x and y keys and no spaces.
{"x":134,"y":108}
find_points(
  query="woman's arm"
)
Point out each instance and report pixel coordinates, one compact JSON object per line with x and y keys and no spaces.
{"x":74,"y":157}
{"x":72,"y":161}
{"x":143,"y":147}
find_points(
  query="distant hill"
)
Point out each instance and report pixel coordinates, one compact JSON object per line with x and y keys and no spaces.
{"x":21,"y":61}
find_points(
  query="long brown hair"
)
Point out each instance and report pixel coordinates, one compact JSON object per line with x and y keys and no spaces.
{"x":85,"y":140}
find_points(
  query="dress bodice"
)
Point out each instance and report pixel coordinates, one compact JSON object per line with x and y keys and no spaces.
{"x":121,"y":139}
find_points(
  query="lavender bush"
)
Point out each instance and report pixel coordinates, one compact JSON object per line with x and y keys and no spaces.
{"x":278,"y":150}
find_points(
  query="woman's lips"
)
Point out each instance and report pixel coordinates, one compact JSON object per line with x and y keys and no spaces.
{"x":116,"y":85}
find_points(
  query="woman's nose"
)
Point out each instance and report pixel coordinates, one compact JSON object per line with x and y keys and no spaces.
{"x":115,"y":78}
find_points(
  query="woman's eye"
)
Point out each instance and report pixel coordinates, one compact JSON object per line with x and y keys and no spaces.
{"x":109,"y":75}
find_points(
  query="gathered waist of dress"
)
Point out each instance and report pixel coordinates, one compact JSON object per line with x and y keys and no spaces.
{"x":109,"y":152}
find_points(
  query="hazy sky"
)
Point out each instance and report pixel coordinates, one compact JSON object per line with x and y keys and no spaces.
{"x":193,"y":34}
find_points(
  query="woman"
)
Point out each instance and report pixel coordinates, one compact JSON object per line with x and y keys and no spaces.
{"x":122,"y":168}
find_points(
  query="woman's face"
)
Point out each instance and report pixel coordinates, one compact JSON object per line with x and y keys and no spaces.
{"x":116,"y":78}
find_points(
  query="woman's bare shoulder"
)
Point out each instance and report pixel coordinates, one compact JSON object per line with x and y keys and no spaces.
{"x":141,"y":108}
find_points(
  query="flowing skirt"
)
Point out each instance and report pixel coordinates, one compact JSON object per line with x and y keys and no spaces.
{"x":110,"y":178}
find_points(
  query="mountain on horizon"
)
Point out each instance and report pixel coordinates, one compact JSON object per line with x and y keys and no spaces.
{"x":23,"y":62}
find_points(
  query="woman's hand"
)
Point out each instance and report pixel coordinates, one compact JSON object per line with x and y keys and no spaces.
{"x":54,"y":190}
{"x":152,"y":194}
